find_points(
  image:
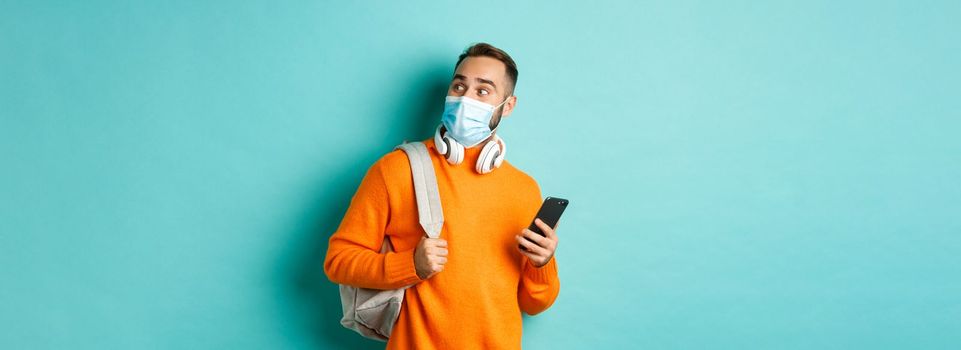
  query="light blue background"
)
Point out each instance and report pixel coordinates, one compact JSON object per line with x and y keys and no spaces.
{"x":744,"y":175}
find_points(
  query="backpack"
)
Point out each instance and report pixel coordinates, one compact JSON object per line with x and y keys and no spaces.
{"x":373,"y":312}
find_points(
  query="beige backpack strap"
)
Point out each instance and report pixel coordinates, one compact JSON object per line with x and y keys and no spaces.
{"x":425,"y":187}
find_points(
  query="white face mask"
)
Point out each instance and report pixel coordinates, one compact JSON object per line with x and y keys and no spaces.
{"x":468,"y":120}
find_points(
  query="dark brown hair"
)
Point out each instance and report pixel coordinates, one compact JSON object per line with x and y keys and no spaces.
{"x":488,"y":50}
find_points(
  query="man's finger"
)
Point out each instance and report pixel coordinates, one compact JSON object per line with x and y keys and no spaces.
{"x":534,"y":237}
{"x":531,"y":247}
{"x":532,"y":258}
{"x":437,"y":251}
{"x":548,"y":231}
{"x":529,"y":255}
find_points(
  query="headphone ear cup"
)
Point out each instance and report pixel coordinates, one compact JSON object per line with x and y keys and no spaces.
{"x":502,"y":152}
{"x":439,"y":143}
{"x":456,"y":152}
{"x":487,"y":158}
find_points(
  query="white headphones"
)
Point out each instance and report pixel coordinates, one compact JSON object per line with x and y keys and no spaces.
{"x":491,"y":156}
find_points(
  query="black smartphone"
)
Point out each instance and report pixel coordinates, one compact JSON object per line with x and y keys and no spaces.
{"x":550,"y":214}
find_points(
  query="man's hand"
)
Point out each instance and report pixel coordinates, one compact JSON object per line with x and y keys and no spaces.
{"x":540,"y":249}
{"x":430,"y":257}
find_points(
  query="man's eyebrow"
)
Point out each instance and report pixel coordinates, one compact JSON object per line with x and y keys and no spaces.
{"x":480,"y":80}
{"x":485,"y":81}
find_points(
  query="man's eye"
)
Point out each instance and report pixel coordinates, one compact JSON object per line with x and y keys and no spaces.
{"x":458,"y":87}
{"x":484,"y":92}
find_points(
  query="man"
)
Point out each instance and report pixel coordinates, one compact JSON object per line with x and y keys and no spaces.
{"x":469,"y":286}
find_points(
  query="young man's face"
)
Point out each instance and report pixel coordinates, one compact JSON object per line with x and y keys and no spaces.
{"x":484,"y":79}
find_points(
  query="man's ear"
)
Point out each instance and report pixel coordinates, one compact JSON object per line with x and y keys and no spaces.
{"x":509,"y":106}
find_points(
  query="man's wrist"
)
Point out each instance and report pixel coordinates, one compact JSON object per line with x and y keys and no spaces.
{"x":534,"y":265}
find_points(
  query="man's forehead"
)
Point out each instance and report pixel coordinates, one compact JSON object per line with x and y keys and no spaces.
{"x":482,"y":67}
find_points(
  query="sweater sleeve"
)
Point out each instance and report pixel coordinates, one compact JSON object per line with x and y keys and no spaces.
{"x":539,"y":286}
{"x":353,"y":253}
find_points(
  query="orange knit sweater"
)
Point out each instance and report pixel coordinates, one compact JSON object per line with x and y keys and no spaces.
{"x":476,"y":301}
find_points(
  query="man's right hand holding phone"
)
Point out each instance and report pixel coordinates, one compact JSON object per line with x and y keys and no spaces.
{"x":539,"y":249}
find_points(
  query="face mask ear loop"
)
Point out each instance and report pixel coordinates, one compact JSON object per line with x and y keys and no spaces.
{"x":499,"y":119}
{"x":505,"y":101}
